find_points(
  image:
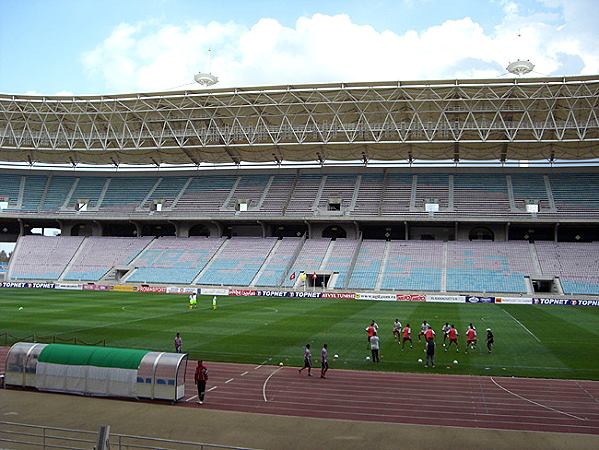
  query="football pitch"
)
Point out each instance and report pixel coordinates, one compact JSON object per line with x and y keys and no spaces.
{"x":535,"y":341}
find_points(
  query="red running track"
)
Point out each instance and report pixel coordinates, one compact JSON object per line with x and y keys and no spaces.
{"x":567,"y":406}
{"x":449,"y":400}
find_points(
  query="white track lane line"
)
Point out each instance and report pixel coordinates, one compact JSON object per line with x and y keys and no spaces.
{"x":522,"y":325}
{"x":212,"y":388}
{"x":266,"y":382}
{"x":535,"y":403}
{"x":229,"y":380}
{"x":191,"y":398}
{"x":244,"y":373}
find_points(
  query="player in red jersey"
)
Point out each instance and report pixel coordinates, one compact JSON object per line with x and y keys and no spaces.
{"x":406,"y":336}
{"x":370,"y":330}
{"x":429,"y":334}
{"x":470,"y":338}
{"x":453,"y":338}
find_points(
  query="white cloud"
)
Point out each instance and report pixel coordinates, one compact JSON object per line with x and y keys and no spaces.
{"x":321,"y":48}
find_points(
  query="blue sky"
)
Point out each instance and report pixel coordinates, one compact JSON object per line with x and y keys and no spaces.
{"x":91,"y":47}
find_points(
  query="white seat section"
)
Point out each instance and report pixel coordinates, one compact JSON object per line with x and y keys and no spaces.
{"x":576,"y":263}
{"x":99,"y":254}
{"x":309,"y":258}
{"x":43,"y":257}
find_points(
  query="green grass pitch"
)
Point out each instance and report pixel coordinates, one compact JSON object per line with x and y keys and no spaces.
{"x":561,"y":341}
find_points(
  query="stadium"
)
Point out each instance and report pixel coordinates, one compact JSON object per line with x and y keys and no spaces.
{"x":306,"y":211}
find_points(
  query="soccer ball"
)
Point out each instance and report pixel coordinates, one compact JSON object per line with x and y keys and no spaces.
{"x":368,"y":358}
{"x":20,"y":308}
{"x":420,"y":360}
{"x":280,"y":364}
{"x":336,"y":356}
{"x":455,"y":361}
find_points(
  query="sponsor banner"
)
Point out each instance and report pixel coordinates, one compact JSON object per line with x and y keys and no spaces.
{"x":373,"y":296}
{"x":96,"y":287}
{"x":445,"y":298}
{"x":124,"y":288}
{"x":410,"y":297}
{"x":68,"y":286}
{"x":564,"y":301}
{"x":27,"y":285}
{"x":180,"y":290}
{"x":343,"y":295}
{"x":260,"y":293}
{"x":475,"y":299}
{"x":242,"y":292}
{"x":306,"y":294}
{"x":514,"y":300}
{"x":152,"y":289}
{"x":214,"y":291}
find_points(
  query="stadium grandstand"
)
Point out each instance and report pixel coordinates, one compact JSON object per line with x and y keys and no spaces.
{"x":440,"y":186}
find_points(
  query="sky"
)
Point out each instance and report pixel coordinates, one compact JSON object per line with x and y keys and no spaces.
{"x":78,"y":47}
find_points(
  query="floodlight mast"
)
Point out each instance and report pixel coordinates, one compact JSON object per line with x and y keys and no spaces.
{"x":206,"y":79}
{"x":520,"y":67}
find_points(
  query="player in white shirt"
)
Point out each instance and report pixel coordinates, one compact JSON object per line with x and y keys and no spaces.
{"x":397,"y":330}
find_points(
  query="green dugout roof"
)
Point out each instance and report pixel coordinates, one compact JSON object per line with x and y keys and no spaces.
{"x":81,"y":355}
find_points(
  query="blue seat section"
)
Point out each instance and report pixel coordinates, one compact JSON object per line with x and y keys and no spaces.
{"x":274,"y":271}
{"x":574,"y":286}
{"x":127,"y":192}
{"x":174,"y":260}
{"x":87,"y":275}
{"x":397,"y":193}
{"x":528,"y":186}
{"x":488,"y":266}
{"x":414,"y":266}
{"x":88,"y":188}
{"x":432,"y":185}
{"x":309,"y":258}
{"x":9,"y":189}
{"x":302,"y":198}
{"x":368,"y":265}
{"x":239,"y":261}
{"x":168,"y":189}
{"x":416,"y":279}
{"x":479,"y":280}
{"x":163,"y":275}
{"x":338,"y":185}
{"x":34,"y":189}
{"x":569,"y":195}
{"x":481,"y":194}
{"x":369,"y":195}
{"x":340,"y":259}
{"x":206,"y":193}
{"x":250,"y":187}
{"x":58,"y":190}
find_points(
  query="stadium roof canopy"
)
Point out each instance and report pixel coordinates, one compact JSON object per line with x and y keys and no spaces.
{"x":485,"y":120}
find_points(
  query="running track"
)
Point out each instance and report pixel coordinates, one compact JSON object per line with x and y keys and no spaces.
{"x":568,"y":406}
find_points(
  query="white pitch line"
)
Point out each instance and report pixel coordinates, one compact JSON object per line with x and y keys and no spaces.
{"x":522,"y":325}
{"x":535,"y":403}
{"x":212,"y":388}
{"x":244,"y":373}
{"x":266,"y":382}
{"x":229,"y":380}
{"x":191,"y":398}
